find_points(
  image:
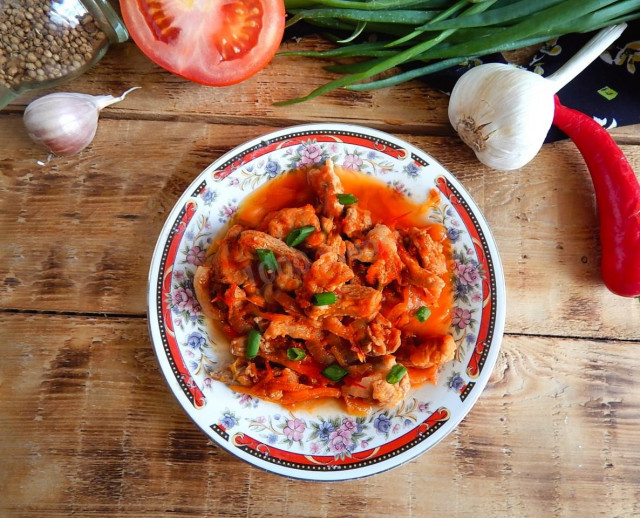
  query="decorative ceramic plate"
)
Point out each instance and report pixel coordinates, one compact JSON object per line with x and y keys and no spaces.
{"x":322,"y":443}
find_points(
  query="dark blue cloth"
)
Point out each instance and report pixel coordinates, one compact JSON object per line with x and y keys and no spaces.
{"x":608,"y":89}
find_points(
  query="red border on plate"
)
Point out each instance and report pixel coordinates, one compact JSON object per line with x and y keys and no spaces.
{"x":266,"y":147}
{"x":487,"y":321}
{"x":186,"y":382}
{"x":329,"y":462}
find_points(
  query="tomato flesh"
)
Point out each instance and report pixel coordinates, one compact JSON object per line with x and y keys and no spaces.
{"x":245,"y":23}
{"x":214,"y":42}
{"x":159,"y":23}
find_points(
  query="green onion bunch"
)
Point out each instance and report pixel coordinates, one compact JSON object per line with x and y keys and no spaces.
{"x":433,"y":35}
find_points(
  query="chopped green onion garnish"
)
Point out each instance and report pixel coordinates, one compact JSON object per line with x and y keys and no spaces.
{"x":253,"y":343}
{"x":296,"y":354}
{"x":324,"y":299}
{"x":335,"y":372}
{"x":298,"y":235}
{"x":267,"y":259}
{"x":423,"y":313}
{"x":346,"y":199}
{"x":396,"y":373}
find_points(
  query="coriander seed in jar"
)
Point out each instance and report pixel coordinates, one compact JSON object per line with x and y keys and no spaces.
{"x":47,"y":42}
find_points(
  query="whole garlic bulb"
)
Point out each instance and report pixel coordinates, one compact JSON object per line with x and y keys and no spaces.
{"x":504,"y":112}
{"x":64,"y":122}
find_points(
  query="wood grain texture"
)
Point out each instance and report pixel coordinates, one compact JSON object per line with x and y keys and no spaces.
{"x":79,"y":232}
{"x":414,"y":107}
{"x":90,"y":428}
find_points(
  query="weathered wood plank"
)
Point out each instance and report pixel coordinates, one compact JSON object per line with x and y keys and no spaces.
{"x":89,"y":427}
{"x":413,"y":107}
{"x":78,"y":233}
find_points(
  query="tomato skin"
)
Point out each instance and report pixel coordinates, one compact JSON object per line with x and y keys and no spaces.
{"x":212,"y":42}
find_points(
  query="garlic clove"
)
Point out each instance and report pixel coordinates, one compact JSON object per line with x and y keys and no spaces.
{"x":503,"y":113}
{"x":65,"y":122}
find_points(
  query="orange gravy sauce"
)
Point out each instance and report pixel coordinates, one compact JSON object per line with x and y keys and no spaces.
{"x":386,"y":205}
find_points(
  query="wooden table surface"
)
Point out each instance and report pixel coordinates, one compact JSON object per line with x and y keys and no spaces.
{"x":88,"y":425}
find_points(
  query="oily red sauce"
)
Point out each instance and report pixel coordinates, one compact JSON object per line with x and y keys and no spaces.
{"x":387,"y":206}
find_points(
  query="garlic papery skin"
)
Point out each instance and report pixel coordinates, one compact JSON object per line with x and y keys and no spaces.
{"x":503,"y":113}
{"x":65,"y":122}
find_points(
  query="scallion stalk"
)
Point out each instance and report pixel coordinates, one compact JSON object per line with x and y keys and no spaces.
{"x":296,"y":354}
{"x":396,"y":373}
{"x":401,"y":17}
{"x":387,"y":63}
{"x":253,"y":344}
{"x":324,"y":299}
{"x":335,"y":372}
{"x":298,"y":235}
{"x":423,"y":314}
{"x":267,"y":258}
{"x":454,"y":31}
{"x":346,"y":199}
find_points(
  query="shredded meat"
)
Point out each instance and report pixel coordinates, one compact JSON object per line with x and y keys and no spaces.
{"x":379,"y":249}
{"x":282,"y":222}
{"x":287,"y":277}
{"x":326,"y":183}
{"x":229,"y":264}
{"x":236,"y":300}
{"x":335,"y":326}
{"x":239,"y":346}
{"x":297,"y":327}
{"x":360,"y":250}
{"x":345,"y":296}
{"x":333,"y":243}
{"x":203,"y":286}
{"x":430,"y":252}
{"x":418,"y":276}
{"x":319,"y":352}
{"x":244,"y":372}
{"x":412,"y":299}
{"x":372,"y":384}
{"x":386,"y":264}
{"x":252,"y":240}
{"x":388,"y":394}
{"x":382,"y":337}
{"x":327,"y":273}
{"x":356,"y":222}
{"x":288,"y":303}
{"x":429,"y":352}
{"x":352,"y":301}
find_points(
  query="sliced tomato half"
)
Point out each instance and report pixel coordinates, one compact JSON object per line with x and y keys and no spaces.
{"x":213,"y":42}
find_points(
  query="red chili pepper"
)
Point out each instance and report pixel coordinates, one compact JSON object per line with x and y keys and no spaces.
{"x":617,"y":195}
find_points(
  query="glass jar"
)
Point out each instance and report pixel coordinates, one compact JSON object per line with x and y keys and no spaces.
{"x":47,"y":42}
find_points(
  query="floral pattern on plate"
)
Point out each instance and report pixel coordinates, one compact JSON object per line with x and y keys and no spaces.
{"x":302,"y":443}
{"x":335,"y":435}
